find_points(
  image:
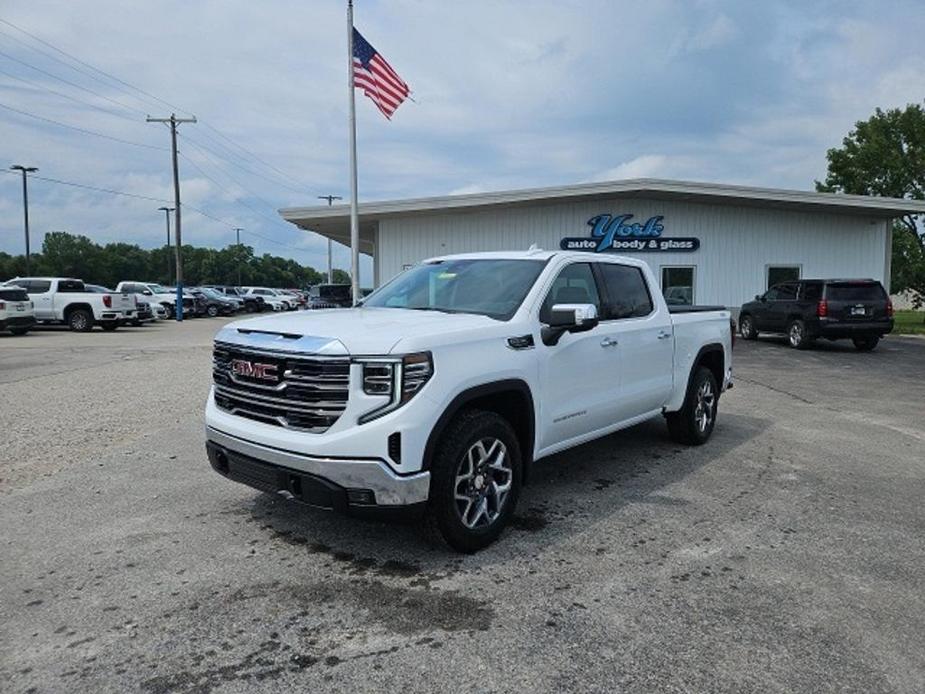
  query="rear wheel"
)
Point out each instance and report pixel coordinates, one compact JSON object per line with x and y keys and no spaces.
{"x":475,"y":480}
{"x":80,"y":320}
{"x":19,"y":331}
{"x":866,"y":343}
{"x":797,"y":336}
{"x":693,"y":423}
{"x":747,"y":328}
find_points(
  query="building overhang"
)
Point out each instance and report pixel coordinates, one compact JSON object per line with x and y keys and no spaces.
{"x":334,"y":221}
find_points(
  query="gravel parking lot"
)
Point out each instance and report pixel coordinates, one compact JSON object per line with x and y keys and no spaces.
{"x":785,"y":555}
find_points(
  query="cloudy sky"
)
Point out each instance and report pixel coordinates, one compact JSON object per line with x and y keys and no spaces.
{"x":508,"y":95}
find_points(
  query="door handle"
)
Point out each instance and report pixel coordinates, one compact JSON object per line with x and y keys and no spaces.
{"x":607,"y":342}
{"x":664,"y":335}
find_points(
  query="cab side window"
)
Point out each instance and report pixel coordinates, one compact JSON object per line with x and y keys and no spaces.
{"x":788,"y":292}
{"x":773,"y":294}
{"x":574,"y":285}
{"x":627,"y":293}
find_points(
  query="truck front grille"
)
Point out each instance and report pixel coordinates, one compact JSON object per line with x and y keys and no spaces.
{"x":297,"y":392}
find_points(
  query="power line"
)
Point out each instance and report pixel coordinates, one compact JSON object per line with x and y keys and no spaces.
{"x":228,"y":175}
{"x":99,"y":190}
{"x":187,"y":206}
{"x":73,"y":84}
{"x":37,"y":85}
{"x":88,"y":65}
{"x":300,"y":186}
{"x":254,"y":156}
{"x":82,"y":130}
{"x":243,"y":168}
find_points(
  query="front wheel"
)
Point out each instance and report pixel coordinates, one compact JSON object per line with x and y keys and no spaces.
{"x":694,"y":422}
{"x":747,"y":328}
{"x":866,"y":343}
{"x":475,"y":480}
{"x":212,"y":311}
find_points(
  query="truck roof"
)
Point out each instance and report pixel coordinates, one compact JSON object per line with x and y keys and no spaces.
{"x":535,"y":254}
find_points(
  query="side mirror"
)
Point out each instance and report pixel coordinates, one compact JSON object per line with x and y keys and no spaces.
{"x":569,"y":318}
{"x":146,"y":292}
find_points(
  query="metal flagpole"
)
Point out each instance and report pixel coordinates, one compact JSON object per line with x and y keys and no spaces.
{"x":354,"y":214}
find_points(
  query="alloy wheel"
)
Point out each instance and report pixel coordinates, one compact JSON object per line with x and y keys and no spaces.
{"x":796,"y":334}
{"x":484,"y":479}
{"x":706,"y":406}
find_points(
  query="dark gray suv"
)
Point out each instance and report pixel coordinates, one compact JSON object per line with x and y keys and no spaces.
{"x":859,"y":310}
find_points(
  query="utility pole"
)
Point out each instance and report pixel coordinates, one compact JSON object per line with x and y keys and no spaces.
{"x":237,"y":232}
{"x":167,"y":211}
{"x":25,"y":202}
{"x":174,"y":121}
{"x":330,"y":199}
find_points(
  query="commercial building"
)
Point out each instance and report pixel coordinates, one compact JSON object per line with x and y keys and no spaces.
{"x":707,"y":243}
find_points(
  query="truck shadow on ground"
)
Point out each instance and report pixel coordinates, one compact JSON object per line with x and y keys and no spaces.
{"x":567,"y":493}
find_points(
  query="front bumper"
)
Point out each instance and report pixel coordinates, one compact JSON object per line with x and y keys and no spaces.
{"x":336,"y":483}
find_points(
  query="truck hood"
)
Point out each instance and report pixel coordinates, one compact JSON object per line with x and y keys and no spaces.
{"x":357,"y":331}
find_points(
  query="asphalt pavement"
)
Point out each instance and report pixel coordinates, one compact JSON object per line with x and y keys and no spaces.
{"x":785,"y":555}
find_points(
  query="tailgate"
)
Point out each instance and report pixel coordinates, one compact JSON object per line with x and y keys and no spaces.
{"x":857,"y":302}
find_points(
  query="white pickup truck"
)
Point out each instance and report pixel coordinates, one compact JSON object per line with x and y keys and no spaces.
{"x":66,"y":300}
{"x":440,"y":391}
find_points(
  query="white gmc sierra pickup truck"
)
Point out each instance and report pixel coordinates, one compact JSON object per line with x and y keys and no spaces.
{"x":67,"y":300}
{"x":443,"y":387}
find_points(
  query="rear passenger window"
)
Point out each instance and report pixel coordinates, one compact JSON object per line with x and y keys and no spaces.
{"x":627,"y":293}
{"x":574,"y":285}
{"x":70,"y":286}
{"x":812,"y":292}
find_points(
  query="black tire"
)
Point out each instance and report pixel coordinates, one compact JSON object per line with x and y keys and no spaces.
{"x":80,"y":320}
{"x":19,"y":331}
{"x":212,"y":311}
{"x":747,"y":328}
{"x":466,"y":432}
{"x":137,"y":323}
{"x":109,"y":326}
{"x":866,"y":343}
{"x":687,"y":425}
{"x":797,"y":337}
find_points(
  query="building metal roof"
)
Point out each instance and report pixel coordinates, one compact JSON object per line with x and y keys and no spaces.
{"x":329,"y":220}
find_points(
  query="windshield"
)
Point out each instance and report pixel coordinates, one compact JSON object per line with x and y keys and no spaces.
{"x":493,"y":288}
{"x":158,"y":289}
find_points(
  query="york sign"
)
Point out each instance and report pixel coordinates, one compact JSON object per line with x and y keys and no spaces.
{"x":616,"y":234}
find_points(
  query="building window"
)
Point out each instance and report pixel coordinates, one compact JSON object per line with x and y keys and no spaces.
{"x":782,"y":273}
{"x":678,"y":285}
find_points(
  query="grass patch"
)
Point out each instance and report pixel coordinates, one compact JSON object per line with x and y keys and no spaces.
{"x":909,"y":323}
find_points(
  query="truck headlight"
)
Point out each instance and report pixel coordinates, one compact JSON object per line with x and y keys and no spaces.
{"x":398,"y":378}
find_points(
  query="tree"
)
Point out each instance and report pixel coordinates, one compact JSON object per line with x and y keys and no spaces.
{"x":69,"y":255}
{"x":885,"y":155}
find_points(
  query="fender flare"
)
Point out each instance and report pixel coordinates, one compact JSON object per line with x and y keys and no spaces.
{"x":709,"y":348}
{"x":474,"y":393}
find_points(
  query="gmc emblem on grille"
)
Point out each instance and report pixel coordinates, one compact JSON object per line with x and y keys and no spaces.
{"x":253,"y":369}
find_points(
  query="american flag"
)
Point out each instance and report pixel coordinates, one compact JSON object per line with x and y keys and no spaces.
{"x":376,"y":77}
